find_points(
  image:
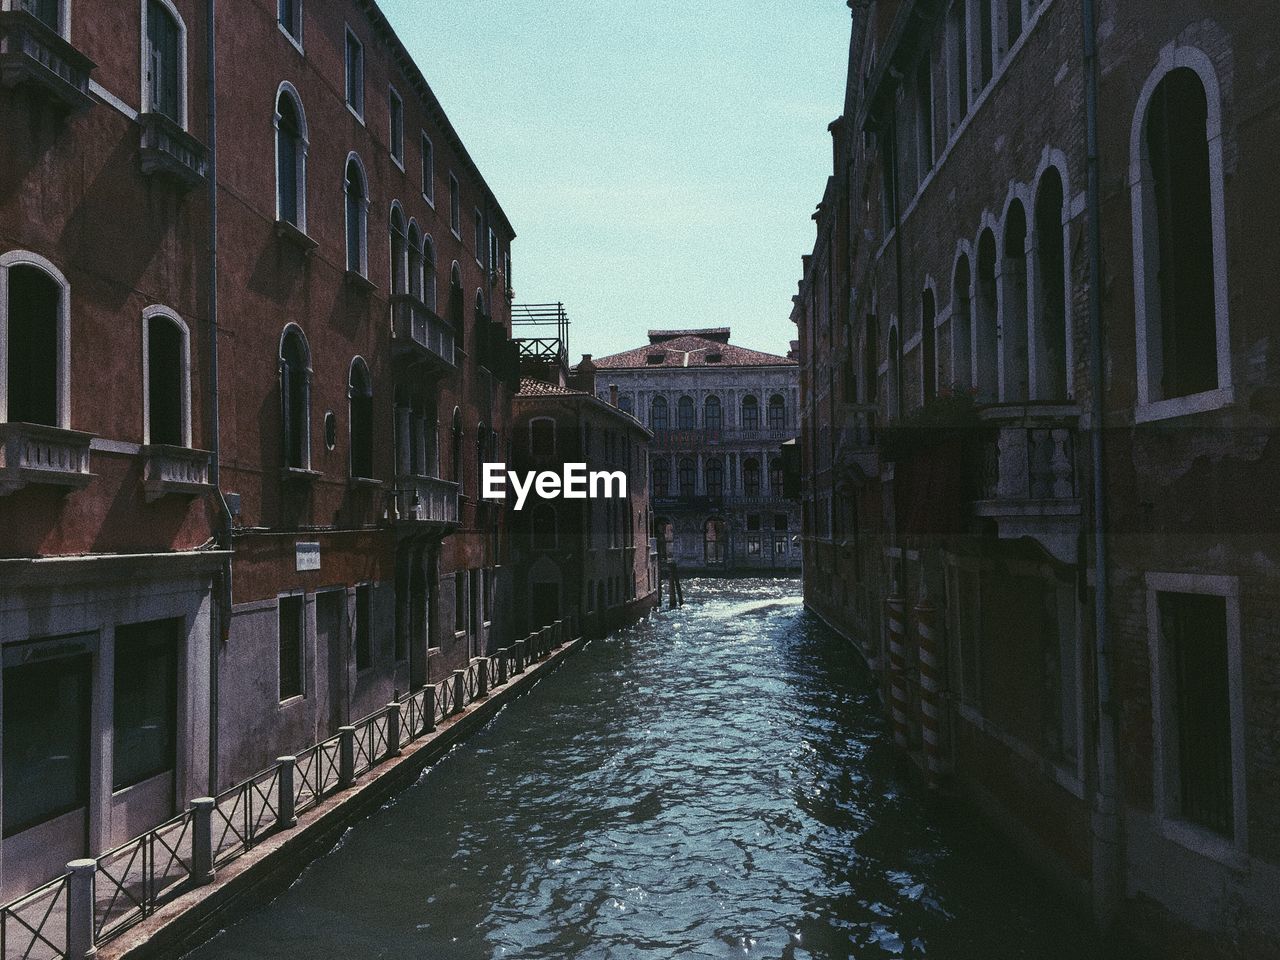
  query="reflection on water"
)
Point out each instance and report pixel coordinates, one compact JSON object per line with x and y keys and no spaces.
{"x":715,"y":782}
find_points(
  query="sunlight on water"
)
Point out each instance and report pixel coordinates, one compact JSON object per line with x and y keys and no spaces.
{"x":712,"y":782}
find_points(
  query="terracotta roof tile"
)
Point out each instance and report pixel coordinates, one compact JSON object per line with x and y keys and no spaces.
{"x":691,"y":351}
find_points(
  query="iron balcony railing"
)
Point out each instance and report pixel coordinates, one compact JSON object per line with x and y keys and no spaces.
{"x":417,"y":331}
{"x":99,"y":898}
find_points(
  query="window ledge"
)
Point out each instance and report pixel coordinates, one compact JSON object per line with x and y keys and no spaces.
{"x":1205,"y":843}
{"x":430,"y":200}
{"x":355,"y":113}
{"x":1184,"y":406}
{"x":300,"y":474}
{"x":368,"y":483}
{"x":292,"y":233}
{"x":290,"y":37}
{"x":360,"y":282}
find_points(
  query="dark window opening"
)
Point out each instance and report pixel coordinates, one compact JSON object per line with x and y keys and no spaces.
{"x":1179,"y":156}
{"x":34,"y":298}
{"x":162,"y":66}
{"x":364,"y":627}
{"x":360,"y":396}
{"x":146,"y":701}
{"x":291,"y":638}
{"x":289,"y":153}
{"x":715,"y":477}
{"x":751,"y":477}
{"x":685,"y":419}
{"x":686,"y":477}
{"x":164,"y":381}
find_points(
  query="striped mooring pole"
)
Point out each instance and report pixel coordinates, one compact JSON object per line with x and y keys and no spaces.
{"x":930,"y":733}
{"x":895,"y":618}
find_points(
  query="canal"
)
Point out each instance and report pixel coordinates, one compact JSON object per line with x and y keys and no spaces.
{"x":714,"y":782}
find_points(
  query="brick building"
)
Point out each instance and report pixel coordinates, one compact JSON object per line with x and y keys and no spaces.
{"x":719,"y":414}
{"x":1038,"y":395}
{"x":588,"y":559}
{"x":210,"y":559}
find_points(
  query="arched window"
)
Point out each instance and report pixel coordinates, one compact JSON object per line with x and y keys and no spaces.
{"x":1050,"y":325}
{"x":1013,"y":306}
{"x":686,"y":419}
{"x":661,"y":478}
{"x":687,"y":475}
{"x":871,"y":359}
{"x":457,"y":305}
{"x":429,"y":272}
{"x":164,"y":63}
{"x":167,"y":401}
{"x":399,"y":246}
{"x":360,"y":403}
{"x":750,"y":413}
{"x":1180,"y":283}
{"x":751,"y":477}
{"x":715,"y":477}
{"x":455,"y":448}
{"x":480,"y":330}
{"x":893,"y":382}
{"x":961,"y":326}
{"x":295,"y":399}
{"x":357,"y":212}
{"x":658,"y":414}
{"x":715,"y":536}
{"x":712,"y":414}
{"x":777,"y":412}
{"x":291,"y":158}
{"x":775,"y":476}
{"x":542,"y":527}
{"x":415,"y":261}
{"x":985,"y":360}
{"x":929,"y":348}
{"x":35,"y":325}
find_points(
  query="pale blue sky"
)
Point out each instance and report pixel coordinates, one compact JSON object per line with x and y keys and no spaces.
{"x":659,"y":159}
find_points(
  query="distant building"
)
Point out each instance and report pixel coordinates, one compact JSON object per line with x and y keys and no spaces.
{"x":1083,"y":646}
{"x":719,"y":414}
{"x":590,"y":559}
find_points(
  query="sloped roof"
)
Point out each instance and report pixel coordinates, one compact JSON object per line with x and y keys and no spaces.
{"x":691,"y":350}
{"x":530,"y":387}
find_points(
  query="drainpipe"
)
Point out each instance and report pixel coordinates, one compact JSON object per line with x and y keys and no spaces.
{"x":222,"y":598}
{"x":1105,"y":820}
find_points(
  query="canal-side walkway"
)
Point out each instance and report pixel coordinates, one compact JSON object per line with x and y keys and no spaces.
{"x":259,"y":835}
{"x":715,"y":781}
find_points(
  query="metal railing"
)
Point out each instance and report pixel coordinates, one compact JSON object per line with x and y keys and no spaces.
{"x":99,"y":898}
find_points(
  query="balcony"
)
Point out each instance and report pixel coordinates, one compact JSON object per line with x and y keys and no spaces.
{"x":695,"y":438}
{"x":170,"y":152}
{"x":1028,"y":483}
{"x":426,"y":500}
{"x":174,"y":470}
{"x":419,"y":334}
{"x":34,"y":55}
{"x":48,"y":456}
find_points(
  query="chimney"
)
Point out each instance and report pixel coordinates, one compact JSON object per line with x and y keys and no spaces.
{"x":584,"y":377}
{"x":613,"y":394}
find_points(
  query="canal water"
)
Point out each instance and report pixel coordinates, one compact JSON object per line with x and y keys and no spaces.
{"x":713,"y":782}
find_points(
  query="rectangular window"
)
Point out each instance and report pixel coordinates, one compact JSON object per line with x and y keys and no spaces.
{"x":455,"y":207}
{"x":291,"y":634}
{"x":460,"y":601}
{"x":146,"y":701}
{"x":395,"y":107}
{"x":474,"y":614}
{"x":488,"y":593}
{"x":964,"y":608}
{"x":753,"y":521}
{"x":957,"y":64}
{"x":355,"y":74}
{"x":364,"y":627}
{"x":428,"y":170}
{"x":753,"y":545}
{"x":1197,"y":737}
{"x":46,"y":740}
{"x":924,"y":113}
{"x":479,"y":238}
{"x":164,"y":62}
{"x":290,"y":16}
{"x":779,"y":546}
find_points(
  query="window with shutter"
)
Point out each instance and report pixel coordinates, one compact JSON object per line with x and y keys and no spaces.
{"x":163,"y":78}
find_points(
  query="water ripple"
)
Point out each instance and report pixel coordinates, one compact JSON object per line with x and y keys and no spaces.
{"x":715,"y":782}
